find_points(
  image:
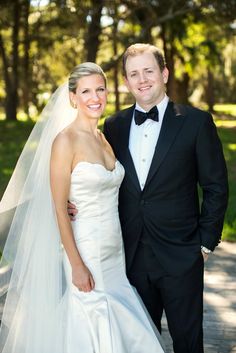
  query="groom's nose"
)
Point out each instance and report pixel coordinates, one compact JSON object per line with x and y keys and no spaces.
{"x":142,"y":77}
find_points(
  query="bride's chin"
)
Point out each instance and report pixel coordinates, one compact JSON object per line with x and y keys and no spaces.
{"x":96,"y":114}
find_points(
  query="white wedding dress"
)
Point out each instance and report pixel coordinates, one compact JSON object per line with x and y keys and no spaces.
{"x":111,"y":318}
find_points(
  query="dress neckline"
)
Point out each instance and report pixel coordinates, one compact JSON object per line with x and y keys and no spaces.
{"x":95,"y":164}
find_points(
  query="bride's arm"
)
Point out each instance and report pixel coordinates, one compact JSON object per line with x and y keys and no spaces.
{"x":60,"y":175}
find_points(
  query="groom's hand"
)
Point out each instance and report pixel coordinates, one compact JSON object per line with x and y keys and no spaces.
{"x":72,"y":210}
{"x":205,"y":252}
{"x":205,"y":256}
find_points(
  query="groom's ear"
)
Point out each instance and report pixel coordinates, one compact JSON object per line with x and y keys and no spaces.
{"x":126,"y":81}
{"x":165,"y":75}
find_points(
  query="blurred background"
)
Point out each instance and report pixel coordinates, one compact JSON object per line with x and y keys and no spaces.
{"x":41,"y":41}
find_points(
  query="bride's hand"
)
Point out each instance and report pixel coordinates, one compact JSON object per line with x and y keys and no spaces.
{"x":82,"y":278}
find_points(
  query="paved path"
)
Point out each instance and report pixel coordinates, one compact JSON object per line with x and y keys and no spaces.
{"x":219,"y":302}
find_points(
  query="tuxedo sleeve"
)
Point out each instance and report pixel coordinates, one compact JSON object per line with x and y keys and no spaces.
{"x":110,"y":132}
{"x":107,"y":132}
{"x":212,"y":177}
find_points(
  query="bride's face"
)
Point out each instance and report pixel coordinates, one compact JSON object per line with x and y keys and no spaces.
{"x":91,"y":96}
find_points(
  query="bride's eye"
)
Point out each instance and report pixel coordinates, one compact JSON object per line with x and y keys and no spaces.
{"x":85,"y":91}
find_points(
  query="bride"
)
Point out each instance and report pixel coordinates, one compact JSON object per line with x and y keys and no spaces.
{"x":67,"y":291}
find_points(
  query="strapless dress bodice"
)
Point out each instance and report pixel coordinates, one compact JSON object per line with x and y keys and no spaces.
{"x":94,"y":189}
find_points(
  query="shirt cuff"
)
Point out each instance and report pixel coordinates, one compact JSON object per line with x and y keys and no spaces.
{"x":205,"y":250}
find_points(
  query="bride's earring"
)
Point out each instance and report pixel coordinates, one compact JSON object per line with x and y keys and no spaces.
{"x":74,"y":105}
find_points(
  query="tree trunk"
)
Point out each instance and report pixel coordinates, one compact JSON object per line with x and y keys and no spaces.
{"x":182,"y":89}
{"x":116,"y":70}
{"x":94,"y":30}
{"x":26,"y":81}
{"x":12,"y":99}
{"x":6,"y":74}
{"x":169,"y":53}
{"x":10,"y":108}
{"x":209,"y":91}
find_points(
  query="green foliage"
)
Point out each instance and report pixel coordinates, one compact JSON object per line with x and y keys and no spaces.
{"x":196,"y":36}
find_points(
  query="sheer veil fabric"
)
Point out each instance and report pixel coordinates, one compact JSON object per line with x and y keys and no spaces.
{"x":31,"y":268}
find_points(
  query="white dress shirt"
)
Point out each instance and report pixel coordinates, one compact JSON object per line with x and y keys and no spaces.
{"x":143,"y":139}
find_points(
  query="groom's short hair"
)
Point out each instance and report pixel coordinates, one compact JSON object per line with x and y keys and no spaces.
{"x":140,"y":48}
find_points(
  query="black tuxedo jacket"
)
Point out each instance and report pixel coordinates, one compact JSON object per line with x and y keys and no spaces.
{"x":188,"y":153}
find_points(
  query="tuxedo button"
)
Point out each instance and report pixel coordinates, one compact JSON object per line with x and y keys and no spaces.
{"x":142,"y":202}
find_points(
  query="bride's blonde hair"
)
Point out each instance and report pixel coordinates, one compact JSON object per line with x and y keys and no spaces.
{"x":82,"y":70}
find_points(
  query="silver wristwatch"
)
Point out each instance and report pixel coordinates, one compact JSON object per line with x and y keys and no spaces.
{"x":205,"y":250}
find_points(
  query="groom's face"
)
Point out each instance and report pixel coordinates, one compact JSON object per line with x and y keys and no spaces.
{"x":145,"y":80}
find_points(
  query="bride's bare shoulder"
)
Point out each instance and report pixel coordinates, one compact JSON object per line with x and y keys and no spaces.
{"x":66,"y":137}
{"x":63,"y":142}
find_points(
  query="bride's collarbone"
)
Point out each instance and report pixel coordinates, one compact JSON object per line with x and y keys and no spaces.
{"x":94,"y":152}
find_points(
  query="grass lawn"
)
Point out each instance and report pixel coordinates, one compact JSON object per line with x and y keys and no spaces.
{"x":14,"y":134}
{"x":12,"y":139}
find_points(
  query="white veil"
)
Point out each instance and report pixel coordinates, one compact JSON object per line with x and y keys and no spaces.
{"x":31,"y":270}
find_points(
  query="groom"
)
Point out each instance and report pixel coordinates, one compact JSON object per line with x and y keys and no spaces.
{"x":167,"y":152}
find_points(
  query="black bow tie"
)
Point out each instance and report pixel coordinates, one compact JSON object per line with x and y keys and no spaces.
{"x":140,"y":117}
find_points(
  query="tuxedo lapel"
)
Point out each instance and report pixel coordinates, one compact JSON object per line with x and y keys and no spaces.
{"x":124,"y":153}
{"x":172,"y":122}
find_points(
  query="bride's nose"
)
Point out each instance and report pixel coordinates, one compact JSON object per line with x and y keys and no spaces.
{"x":95,"y":96}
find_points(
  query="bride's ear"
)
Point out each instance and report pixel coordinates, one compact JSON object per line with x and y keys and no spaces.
{"x":72,"y":100}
